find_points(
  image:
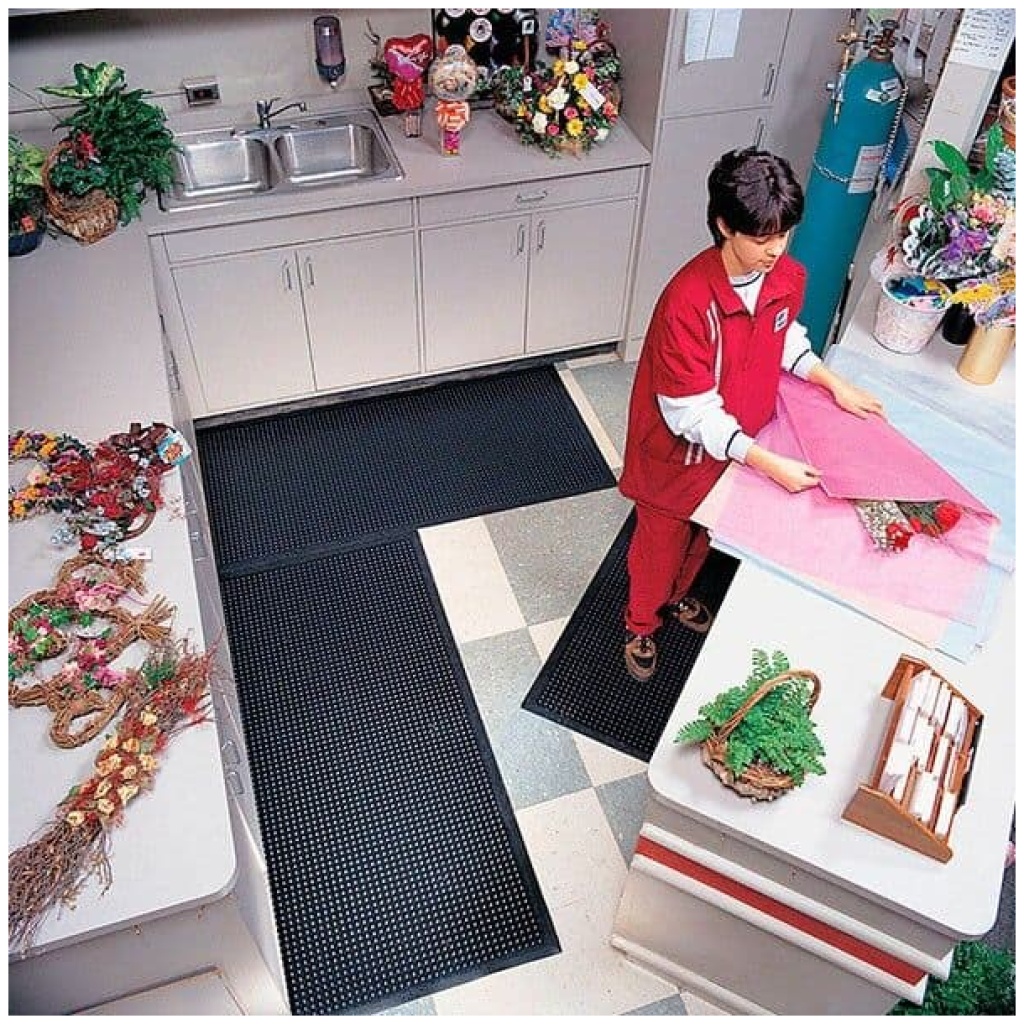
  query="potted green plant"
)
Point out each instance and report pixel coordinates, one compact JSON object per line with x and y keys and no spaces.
{"x":118,"y":145}
{"x":982,"y":983}
{"x":758,"y":737}
{"x":25,"y":197}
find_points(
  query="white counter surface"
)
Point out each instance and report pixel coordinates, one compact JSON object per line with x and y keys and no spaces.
{"x":853,"y":656}
{"x":85,"y":358}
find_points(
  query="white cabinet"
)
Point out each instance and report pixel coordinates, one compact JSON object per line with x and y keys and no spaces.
{"x":753,"y":38}
{"x":245,"y":321}
{"x":275,"y":310}
{"x":535,"y":268}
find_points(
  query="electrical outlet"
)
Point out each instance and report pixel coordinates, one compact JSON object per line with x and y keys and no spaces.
{"x":201,"y":92}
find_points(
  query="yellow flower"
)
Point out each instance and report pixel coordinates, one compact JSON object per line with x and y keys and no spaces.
{"x":575,"y":127}
{"x":75,"y":818}
{"x":103,"y":788}
{"x":543,"y":105}
{"x":109,"y":764}
{"x":127,"y":792}
{"x":130,"y":745}
{"x":580,"y":82}
{"x":559,"y":67}
{"x":148,"y":718}
{"x":130,"y":771}
{"x":578,"y":44}
{"x":147,"y":762}
{"x":105,"y":807}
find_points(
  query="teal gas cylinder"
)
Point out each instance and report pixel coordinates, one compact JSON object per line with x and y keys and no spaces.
{"x":841,"y":186}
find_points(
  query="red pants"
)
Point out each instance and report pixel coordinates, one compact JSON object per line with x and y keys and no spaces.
{"x":664,"y":558}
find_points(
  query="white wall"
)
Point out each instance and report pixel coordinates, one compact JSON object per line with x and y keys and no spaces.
{"x":252,"y":53}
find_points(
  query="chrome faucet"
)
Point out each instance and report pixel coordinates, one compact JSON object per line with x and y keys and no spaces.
{"x":265,"y":110}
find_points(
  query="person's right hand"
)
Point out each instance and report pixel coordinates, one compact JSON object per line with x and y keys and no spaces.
{"x":792,"y":474}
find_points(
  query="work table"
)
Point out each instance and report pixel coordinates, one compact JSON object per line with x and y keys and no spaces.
{"x":85,"y":358}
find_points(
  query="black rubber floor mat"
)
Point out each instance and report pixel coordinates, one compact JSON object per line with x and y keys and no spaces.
{"x":584,"y":685}
{"x":395,"y":863}
{"x":312,"y":479}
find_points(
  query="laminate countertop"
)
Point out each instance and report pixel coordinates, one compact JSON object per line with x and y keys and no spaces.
{"x":85,"y":358}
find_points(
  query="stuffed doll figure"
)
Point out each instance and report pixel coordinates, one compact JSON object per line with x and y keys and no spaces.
{"x":453,"y":78}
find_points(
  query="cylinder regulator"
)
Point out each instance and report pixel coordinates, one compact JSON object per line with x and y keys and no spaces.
{"x":859,"y":128}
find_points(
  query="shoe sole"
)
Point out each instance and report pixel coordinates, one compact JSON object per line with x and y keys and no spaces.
{"x":700,"y":621}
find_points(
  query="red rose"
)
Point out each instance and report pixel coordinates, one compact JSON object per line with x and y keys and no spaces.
{"x":947,"y":515}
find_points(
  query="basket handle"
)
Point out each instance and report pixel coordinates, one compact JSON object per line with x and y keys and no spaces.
{"x":766,"y":688}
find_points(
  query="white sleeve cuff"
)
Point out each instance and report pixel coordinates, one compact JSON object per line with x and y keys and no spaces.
{"x":797,"y":355}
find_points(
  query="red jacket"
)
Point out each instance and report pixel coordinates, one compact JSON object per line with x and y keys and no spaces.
{"x":701,"y":337}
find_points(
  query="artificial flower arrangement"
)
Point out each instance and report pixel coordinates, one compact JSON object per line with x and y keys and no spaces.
{"x":892,"y":525}
{"x":571,"y":105}
{"x":965,"y":226}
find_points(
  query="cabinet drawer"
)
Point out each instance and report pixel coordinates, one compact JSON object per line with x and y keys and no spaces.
{"x":529,"y":195}
{"x":310,"y":227}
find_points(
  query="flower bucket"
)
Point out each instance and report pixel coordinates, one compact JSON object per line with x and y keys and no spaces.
{"x":910,"y":309}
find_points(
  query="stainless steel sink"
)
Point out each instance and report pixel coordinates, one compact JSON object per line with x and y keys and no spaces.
{"x":219,"y":163}
{"x":318,"y":156}
{"x":224,"y":164}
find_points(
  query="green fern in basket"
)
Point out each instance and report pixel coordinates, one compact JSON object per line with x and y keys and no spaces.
{"x":777,"y":731}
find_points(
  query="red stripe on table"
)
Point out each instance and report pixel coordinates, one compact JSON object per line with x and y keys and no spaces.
{"x":780,"y":911}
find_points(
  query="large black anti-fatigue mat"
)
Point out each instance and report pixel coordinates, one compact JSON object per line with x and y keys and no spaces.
{"x":584,"y":685}
{"x":307,"y":480}
{"x":396,"y":866}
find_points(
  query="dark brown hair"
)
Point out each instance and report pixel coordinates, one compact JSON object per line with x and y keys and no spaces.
{"x":755,"y":192}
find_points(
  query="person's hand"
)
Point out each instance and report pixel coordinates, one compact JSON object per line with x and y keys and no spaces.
{"x":856,"y":400}
{"x":792,"y":474}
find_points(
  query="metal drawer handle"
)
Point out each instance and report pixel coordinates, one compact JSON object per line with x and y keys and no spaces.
{"x":310,"y":280}
{"x":542,"y":230}
{"x":520,"y":239}
{"x":769,"y":81}
{"x":287,"y":268}
{"x":532,"y":197}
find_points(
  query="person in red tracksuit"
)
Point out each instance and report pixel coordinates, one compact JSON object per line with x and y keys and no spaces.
{"x":722,"y":332}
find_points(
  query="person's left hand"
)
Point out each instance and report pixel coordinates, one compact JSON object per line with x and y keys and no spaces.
{"x":853,"y":399}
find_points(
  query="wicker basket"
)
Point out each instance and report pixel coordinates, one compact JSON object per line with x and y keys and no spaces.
{"x":758,"y":781}
{"x":87,"y":218}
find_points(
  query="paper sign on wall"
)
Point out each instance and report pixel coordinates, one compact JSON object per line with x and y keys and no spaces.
{"x":982,"y":38}
{"x":711,"y":34}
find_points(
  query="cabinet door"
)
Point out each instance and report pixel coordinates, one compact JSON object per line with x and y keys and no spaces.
{"x":474,"y":292}
{"x":360,"y":296}
{"x":579,"y":270}
{"x":246,"y":327}
{"x":675,"y":224}
{"x":743,"y":80}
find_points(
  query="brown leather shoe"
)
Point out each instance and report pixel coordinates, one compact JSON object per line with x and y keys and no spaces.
{"x":641,"y":657}
{"x":692,"y":614}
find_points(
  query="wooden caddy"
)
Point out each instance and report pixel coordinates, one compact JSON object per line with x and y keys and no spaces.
{"x":890,"y":815}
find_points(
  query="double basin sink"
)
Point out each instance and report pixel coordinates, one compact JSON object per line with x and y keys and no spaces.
{"x":216,"y":164}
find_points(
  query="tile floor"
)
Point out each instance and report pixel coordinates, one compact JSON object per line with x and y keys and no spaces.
{"x":509,"y":583}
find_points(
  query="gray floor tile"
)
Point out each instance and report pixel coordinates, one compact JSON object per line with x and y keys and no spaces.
{"x":671,"y":1007}
{"x":538,"y":760}
{"x":607,"y":387}
{"x":551,"y":551}
{"x":623,"y":805}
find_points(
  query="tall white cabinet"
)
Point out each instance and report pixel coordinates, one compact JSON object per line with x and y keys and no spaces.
{"x":763,"y":84}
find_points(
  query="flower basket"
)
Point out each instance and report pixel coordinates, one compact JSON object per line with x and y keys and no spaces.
{"x":909,"y":311}
{"x":758,"y":780}
{"x":86,"y":218}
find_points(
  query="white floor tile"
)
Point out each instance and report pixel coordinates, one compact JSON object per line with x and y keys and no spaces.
{"x":581,"y":874}
{"x":545,"y":635}
{"x":604,"y":764}
{"x":474,"y":589}
{"x":601,"y":436}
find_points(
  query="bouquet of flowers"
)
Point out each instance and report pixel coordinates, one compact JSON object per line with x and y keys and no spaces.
{"x":966,"y":225}
{"x":893,"y":524}
{"x":565,"y":108}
